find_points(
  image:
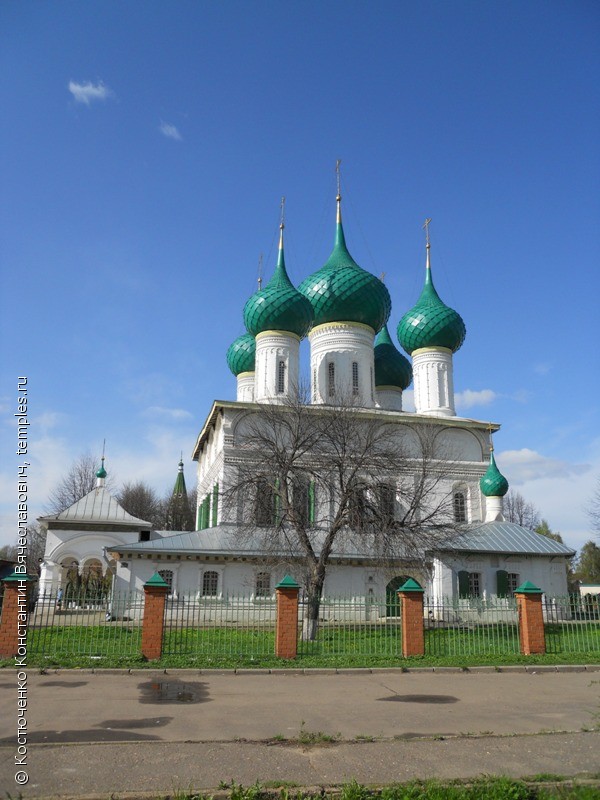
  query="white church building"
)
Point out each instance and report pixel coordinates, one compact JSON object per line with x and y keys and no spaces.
{"x":344,"y":312}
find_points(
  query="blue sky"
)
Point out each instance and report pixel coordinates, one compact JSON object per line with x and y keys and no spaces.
{"x":145,"y":147}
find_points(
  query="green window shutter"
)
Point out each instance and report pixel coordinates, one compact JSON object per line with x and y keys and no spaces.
{"x":311,"y":502}
{"x":502,"y":583}
{"x":207,"y":511}
{"x":215,"y":504}
{"x":199,"y":517}
{"x":463,"y":583}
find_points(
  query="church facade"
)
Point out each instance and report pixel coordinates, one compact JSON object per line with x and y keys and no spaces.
{"x":252,"y":528}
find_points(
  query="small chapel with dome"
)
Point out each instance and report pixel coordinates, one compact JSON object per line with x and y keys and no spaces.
{"x":344,"y":311}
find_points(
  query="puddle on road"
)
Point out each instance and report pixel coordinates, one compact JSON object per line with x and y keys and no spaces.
{"x":433,"y":699}
{"x":65,"y":684}
{"x":173,"y":692}
{"x":136,"y":724}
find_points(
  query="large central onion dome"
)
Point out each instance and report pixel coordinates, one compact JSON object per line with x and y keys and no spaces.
{"x":493,"y":483}
{"x":279,"y":306}
{"x":391,"y":367}
{"x":241,"y":354}
{"x":341,"y":291}
{"x":431,"y":323}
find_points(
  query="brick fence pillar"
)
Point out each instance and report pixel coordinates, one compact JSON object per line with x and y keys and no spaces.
{"x":413,"y":636}
{"x":155,"y":594}
{"x":15,"y":608}
{"x":531,"y":619}
{"x":286,"y":633}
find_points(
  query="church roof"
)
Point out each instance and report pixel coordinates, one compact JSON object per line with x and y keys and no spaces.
{"x":430,"y":322}
{"x":391,"y":367}
{"x":341,"y":291}
{"x":97,"y":506}
{"x":507,"y":538}
{"x":279,"y":306}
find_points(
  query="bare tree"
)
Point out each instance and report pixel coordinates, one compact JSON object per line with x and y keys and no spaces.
{"x":593,"y":509}
{"x":36,"y":545}
{"x":178,"y":511}
{"x":314,"y":478}
{"x":79,"y":480}
{"x":142,"y":502}
{"x":518,"y":509}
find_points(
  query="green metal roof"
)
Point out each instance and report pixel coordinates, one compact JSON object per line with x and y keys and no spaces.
{"x":157,"y":581}
{"x":279,"y":306}
{"x":287,"y":583}
{"x":431,"y":323}
{"x":493,"y":483}
{"x":341,"y":291}
{"x":180,"y":490}
{"x":391,"y":367}
{"x":528,"y":588}
{"x":241,"y":354}
{"x":411,"y":585}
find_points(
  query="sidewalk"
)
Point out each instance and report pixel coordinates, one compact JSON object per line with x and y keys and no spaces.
{"x":111,"y":731}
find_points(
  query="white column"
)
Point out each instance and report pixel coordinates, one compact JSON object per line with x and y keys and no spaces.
{"x":342,"y":365}
{"x":245,"y":386}
{"x":277,"y":366}
{"x":494,"y":509}
{"x":433,"y":381}
{"x":389,"y":397}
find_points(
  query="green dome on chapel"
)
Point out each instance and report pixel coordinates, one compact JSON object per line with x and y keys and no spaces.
{"x":241,"y":354}
{"x":279,"y":306}
{"x":101,"y":473}
{"x":341,"y":291}
{"x":431,"y":323}
{"x":391,"y":367}
{"x":493,"y":483}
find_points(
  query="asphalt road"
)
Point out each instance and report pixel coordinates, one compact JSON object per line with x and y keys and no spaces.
{"x":93,"y":734}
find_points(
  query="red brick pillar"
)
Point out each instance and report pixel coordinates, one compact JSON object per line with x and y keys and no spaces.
{"x":531,"y":619}
{"x":413,"y":635}
{"x":155,"y":594}
{"x":13,"y":628}
{"x":286,"y":633}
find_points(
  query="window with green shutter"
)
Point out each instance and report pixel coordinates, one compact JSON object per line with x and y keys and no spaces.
{"x":311,"y":502}
{"x":215,"y":505}
{"x":502,"y":589}
{"x":463,"y":583}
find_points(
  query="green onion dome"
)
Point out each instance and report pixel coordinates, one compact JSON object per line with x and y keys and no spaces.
{"x":431,"y":323}
{"x":241,"y":353}
{"x":493,"y":483}
{"x":391,"y":367}
{"x":341,"y":291}
{"x":101,"y":473}
{"x":279,"y":306}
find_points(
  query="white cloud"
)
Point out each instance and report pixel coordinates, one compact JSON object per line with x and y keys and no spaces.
{"x":168,"y":413}
{"x":469,"y":398}
{"x":529,"y":465}
{"x":543,"y":368}
{"x":88,"y":91}
{"x":170,"y":131}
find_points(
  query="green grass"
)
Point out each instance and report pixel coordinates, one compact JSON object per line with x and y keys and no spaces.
{"x":117,"y":645}
{"x":487,"y":788}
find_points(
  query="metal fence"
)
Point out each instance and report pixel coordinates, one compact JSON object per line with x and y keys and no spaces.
{"x":572,"y":624}
{"x":471,"y":626}
{"x":84,"y":623}
{"x":229,"y":625}
{"x":352,"y":627}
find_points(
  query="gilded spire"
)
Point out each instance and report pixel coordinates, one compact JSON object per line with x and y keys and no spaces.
{"x":339,"y":194}
{"x":281,"y":224}
{"x":260,"y":269}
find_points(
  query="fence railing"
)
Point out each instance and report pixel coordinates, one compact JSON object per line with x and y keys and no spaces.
{"x":229,"y":625}
{"x":83,"y":623}
{"x":352,"y":626}
{"x":94,"y":625}
{"x":572,"y":624}
{"x":471,"y":626}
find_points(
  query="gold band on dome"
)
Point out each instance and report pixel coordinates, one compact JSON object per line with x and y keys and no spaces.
{"x":324,"y":325}
{"x":246,"y":374}
{"x":262,"y":334}
{"x":431,"y":350}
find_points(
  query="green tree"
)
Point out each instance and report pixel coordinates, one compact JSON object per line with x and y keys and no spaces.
{"x":588,"y":563}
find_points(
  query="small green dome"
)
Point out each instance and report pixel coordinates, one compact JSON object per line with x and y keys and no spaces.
{"x":279,"y":306}
{"x":493,"y":483}
{"x":341,"y":291}
{"x":101,"y":473}
{"x":431,"y":323}
{"x":241,"y":353}
{"x":391,"y":367}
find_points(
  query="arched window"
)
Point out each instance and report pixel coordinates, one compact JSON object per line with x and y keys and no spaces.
{"x":265,"y":504}
{"x":331,"y":379}
{"x":387,"y":502}
{"x":167,"y":576}
{"x":460,"y":507}
{"x":355,"y":377}
{"x":210,"y":583}
{"x":263,"y":584}
{"x":280,"y":377}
